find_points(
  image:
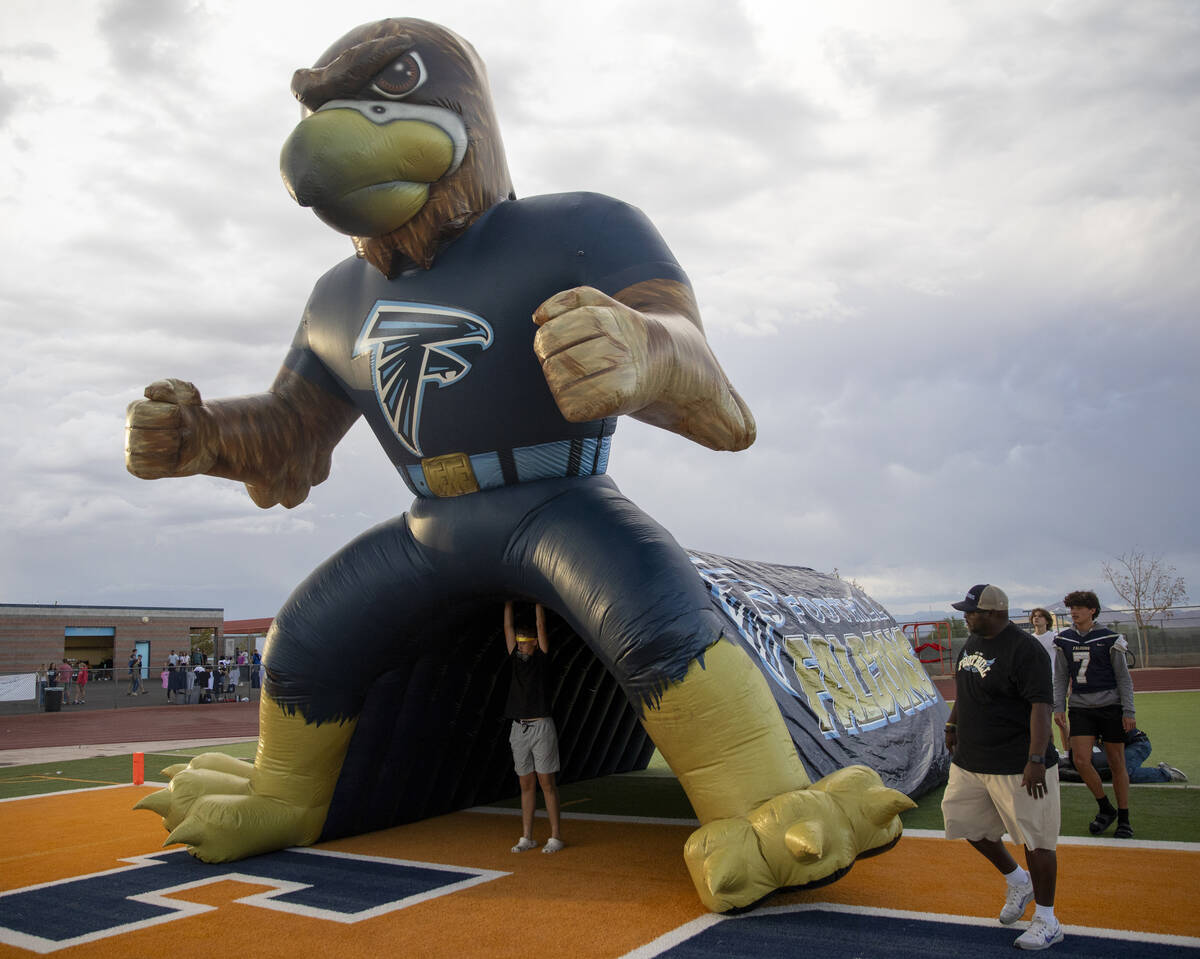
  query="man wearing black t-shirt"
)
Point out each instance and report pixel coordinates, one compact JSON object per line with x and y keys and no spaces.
{"x":1004,"y":774}
{"x":533,"y":738}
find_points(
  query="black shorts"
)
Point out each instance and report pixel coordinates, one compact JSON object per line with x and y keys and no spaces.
{"x":576,"y":545}
{"x":1102,"y":722}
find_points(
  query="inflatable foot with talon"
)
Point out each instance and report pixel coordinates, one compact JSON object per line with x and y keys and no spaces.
{"x":225,"y":809}
{"x":797,"y":839}
{"x":765,"y":826}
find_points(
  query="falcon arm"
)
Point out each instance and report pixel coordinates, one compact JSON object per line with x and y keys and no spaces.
{"x":641,"y":352}
{"x":278,"y":443}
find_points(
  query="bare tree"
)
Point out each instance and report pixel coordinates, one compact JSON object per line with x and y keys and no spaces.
{"x":1149,"y":586}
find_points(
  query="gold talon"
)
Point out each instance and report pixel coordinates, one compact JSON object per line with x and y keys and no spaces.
{"x":723,"y":874}
{"x":158,"y":801}
{"x":219,"y":762}
{"x":806,"y":840}
{"x":881,"y":804}
{"x":189,"y":834}
{"x":202,"y":782}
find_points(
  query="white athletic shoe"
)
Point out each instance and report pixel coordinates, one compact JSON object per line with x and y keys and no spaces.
{"x":553,"y":845}
{"x":1018,"y":899}
{"x":1176,"y":775}
{"x":1040,"y":935}
{"x":524,"y":844}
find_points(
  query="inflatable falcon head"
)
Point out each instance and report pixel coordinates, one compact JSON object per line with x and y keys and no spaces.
{"x":398,"y":147}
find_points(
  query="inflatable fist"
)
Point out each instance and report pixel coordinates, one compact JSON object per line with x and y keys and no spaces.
{"x":169,"y":432}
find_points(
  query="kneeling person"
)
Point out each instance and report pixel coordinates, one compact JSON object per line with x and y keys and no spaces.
{"x":533,"y":738}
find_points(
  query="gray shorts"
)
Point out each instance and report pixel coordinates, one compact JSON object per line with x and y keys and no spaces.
{"x":534,"y":746}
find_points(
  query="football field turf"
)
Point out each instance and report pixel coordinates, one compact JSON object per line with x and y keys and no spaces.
{"x":84,"y":875}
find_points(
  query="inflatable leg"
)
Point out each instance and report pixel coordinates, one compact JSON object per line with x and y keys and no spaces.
{"x":765,"y":827}
{"x":226,"y":809}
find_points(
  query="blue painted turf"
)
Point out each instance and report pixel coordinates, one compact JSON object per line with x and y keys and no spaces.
{"x":109,"y":900}
{"x":825,"y":934}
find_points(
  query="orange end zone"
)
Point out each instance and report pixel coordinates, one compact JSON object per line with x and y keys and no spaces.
{"x":616,"y":886}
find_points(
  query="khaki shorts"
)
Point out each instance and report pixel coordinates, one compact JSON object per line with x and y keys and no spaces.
{"x":534,"y":746}
{"x":986,"y":806}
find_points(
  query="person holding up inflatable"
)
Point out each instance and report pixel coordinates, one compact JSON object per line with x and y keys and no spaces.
{"x":534,"y":739}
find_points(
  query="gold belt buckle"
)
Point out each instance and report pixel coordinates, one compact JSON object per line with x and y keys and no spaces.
{"x":450,"y":475}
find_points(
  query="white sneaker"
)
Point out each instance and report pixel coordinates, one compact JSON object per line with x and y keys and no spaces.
{"x":553,"y":845}
{"x":1040,"y":935}
{"x":1018,"y":899}
{"x":1176,"y":775}
{"x":524,"y":844}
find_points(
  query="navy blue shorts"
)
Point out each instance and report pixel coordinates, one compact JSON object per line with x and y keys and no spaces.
{"x":575,"y":545}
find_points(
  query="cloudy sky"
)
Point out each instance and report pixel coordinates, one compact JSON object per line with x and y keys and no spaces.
{"x":947,"y":252}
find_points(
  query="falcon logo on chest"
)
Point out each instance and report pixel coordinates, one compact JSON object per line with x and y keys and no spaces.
{"x":413,"y":346}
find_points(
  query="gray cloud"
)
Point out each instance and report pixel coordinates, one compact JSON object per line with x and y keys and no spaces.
{"x":151,"y":38}
{"x":32,"y":51}
{"x":948,"y":262}
{"x":9,"y":98}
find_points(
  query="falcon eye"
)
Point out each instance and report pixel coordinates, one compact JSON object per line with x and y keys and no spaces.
{"x":400,"y":77}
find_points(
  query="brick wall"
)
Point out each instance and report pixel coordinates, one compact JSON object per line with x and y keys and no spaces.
{"x":32,"y":636}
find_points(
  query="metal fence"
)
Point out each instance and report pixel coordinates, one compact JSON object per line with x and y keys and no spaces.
{"x":1169,"y":639}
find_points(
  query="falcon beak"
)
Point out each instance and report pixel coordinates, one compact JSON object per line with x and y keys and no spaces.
{"x":365,"y":167}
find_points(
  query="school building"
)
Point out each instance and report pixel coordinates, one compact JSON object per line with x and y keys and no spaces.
{"x":104,"y":636}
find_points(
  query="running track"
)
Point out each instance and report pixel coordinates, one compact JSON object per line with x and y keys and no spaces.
{"x":240,"y":720}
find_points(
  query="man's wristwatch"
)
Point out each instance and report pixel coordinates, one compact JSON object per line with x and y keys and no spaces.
{"x":1038,"y":758}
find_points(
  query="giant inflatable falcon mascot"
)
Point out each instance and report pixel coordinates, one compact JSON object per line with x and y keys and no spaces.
{"x":491,"y":342}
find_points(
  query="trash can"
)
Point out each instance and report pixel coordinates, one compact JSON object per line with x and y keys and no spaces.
{"x":53,"y":699}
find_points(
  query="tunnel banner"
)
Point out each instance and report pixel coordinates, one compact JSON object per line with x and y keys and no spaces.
{"x":844,"y":675}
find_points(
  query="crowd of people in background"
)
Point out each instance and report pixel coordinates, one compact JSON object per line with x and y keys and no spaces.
{"x":195,"y":678}
{"x":71,"y":678}
{"x":186,"y":677}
